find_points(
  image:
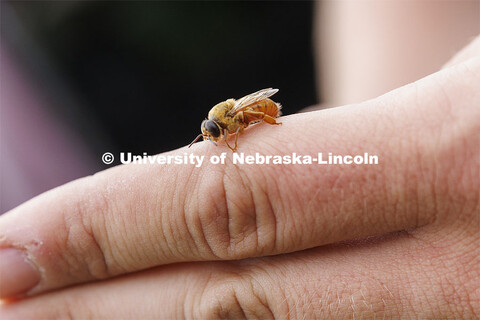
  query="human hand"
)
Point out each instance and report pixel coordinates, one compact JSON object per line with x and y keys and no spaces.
{"x":229,"y":240}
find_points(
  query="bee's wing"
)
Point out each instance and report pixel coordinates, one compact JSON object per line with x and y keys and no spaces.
{"x":250,"y":99}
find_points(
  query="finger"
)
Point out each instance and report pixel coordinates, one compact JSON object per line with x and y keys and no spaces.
{"x":138,"y":216}
{"x":325,"y":283}
{"x":154,"y":294}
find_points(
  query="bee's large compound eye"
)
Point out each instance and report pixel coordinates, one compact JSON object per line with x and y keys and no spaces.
{"x":212,"y":128}
{"x":202,"y":127}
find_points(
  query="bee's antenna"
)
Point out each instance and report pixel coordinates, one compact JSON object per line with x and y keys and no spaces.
{"x":198,"y":137}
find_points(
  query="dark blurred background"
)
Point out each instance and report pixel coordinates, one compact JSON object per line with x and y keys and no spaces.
{"x":81,"y":78}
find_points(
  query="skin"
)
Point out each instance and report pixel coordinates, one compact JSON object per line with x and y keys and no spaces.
{"x":395,"y":240}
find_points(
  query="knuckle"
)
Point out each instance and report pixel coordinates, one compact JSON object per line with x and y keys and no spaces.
{"x":234,"y":298}
{"x":235,"y":216}
{"x":83,"y":253}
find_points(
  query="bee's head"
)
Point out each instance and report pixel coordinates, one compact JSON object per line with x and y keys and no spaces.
{"x":211,"y":130}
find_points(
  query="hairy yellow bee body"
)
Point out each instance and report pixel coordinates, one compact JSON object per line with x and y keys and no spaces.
{"x":219,"y":114}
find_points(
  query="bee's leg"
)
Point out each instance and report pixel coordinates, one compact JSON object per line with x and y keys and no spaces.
{"x":271,"y":120}
{"x":256,"y":115}
{"x":237,"y":133}
{"x":225,"y":136}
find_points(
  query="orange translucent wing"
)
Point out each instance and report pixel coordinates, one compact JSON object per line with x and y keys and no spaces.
{"x":250,"y":99}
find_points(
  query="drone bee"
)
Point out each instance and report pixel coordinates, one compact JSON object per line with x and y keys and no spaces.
{"x":233,"y":116}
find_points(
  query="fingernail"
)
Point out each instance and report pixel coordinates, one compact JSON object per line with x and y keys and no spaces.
{"x":17,"y":275}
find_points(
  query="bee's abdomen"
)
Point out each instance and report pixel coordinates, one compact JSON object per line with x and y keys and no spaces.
{"x":268,"y":107}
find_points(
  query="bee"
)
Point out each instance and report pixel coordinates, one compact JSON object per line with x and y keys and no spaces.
{"x":231,"y":117}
